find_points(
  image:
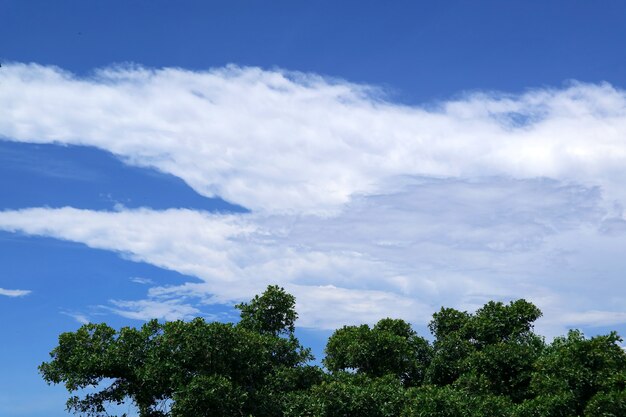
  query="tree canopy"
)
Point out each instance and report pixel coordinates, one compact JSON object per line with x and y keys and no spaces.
{"x":486,"y":363}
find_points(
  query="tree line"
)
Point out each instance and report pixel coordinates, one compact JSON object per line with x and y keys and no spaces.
{"x":484,"y":364}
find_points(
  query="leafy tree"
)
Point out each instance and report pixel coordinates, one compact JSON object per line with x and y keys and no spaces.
{"x":503,"y":368}
{"x":489,"y":352}
{"x":430,"y":401}
{"x":547,"y":405}
{"x":209,"y":395}
{"x":497,"y":323}
{"x":202,"y":369}
{"x":580,"y":370}
{"x":391,"y":347}
{"x":349,"y":395}
{"x":607,"y":404}
{"x":271,"y":313}
{"x":489,"y":363}
{"x":447,"y":322}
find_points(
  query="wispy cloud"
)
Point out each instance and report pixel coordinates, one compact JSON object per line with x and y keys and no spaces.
{"x":153,"y":309}
{"x":79,"y":317}
{"x":14,"y":293}
{"x":278,"y":141}
{"x":361,"y":207}
{"x":427,"y":243}
{"x":141,"y":280}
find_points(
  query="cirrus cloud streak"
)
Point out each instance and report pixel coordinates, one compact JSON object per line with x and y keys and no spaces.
{"x":278,"y":141}
{"x":362,"y":207}
{"x":14,"y":293}
{"x":400,"y":254}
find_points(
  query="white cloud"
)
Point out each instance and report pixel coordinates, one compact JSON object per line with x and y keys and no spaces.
{"x":14,"y":293}
{"x":594,"y":318}
{"x":79,"y":317}
{"x":361,"y":207}
{"x":426,"y":243}
{"x":153,"y":309}
{"x":141,"y":280}
{"x":329,"y":307}
{"x":278,"y":141}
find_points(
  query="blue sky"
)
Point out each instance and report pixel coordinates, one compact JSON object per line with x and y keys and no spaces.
{"x":169,"y":159}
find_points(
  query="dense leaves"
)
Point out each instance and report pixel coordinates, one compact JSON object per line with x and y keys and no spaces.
{"x":272,"y":313}
{"x":345,"y":394}
{"x":582,"y":369}
{"x":391,"y":347}
{"x":489,"y":363}
{"x":492,"y":351}
{"x":448,"y":401}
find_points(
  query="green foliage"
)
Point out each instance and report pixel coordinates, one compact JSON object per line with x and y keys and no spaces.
{"x":489,"y":363}
{"x":499,"y":323}
{"x":391,"y":347}
{"x":209,"y":396}
{"x":273,"y":312}
{"x":193,"y":364}
{"x":581,"y":368}
{"x":489,"y":352}
{"x":547,"y":405}
{"x":349,"y":395}
{"x":448,"y":321}
{"x":430,"y":400}
{"x":607,"y":404}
